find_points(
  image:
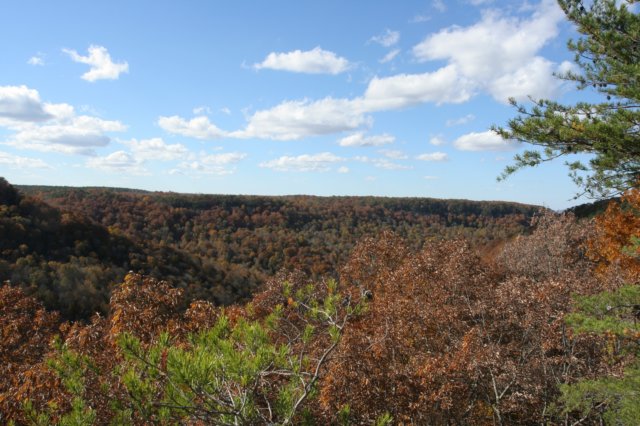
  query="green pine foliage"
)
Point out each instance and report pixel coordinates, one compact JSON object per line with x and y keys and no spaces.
{"x":614,"y":399}
{"x":71,"y":368}
{"x":240,"y":371}
{"x":608,"y":58}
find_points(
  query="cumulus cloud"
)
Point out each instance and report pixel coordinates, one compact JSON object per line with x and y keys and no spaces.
{"x":343,"y":169}
{"x":289,"y":120}
{"x":303,"y":163}
{"x":77,"y":135}
{"x":293,"y":120}
{"x":536,"y":78}
{"x":99,"y":59}
{"x":51,"y":127}
{"x":17,"y":162}
{"x":20,"y":103}
{"x":315,"y":61}
{"x":360,"y":139}
{"x":156,"y":149}
{"x":498,"y":48}
{"x":483,"y":141}
{"x":198,"y":127}
{"x":387,"y":39}
{"x":442,"y":86}
{"x":433,"y":156}
{"x":297,"y":119}
{"x":389,"y":56}
{"x":118,"y":162}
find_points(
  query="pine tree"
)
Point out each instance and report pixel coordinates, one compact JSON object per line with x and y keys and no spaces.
{"x":608,"y":56}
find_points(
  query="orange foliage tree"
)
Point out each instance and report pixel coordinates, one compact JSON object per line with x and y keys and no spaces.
{"x":615,"y":246}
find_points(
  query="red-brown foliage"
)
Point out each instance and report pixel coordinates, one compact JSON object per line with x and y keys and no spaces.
{"x":448,"y":338}
{"x":26,"y":331}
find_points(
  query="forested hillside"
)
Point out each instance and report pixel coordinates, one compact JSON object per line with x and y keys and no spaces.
{"x":69,"y":245}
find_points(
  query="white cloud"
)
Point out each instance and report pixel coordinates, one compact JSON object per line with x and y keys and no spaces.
{"x":431,"y":177}
{"x":343,"y":169}
{"x":437,"y":140}
{"x":442,"y":86}
{"x":389,"y":56}
{"x":19,"y":103}
{"x":303,"y":163}
{"x":76,"y":135}
{"x":118,"y":162}
{"x":315,"y":61}
{"x":102,"y":67}
{"x":293,"y":120}
{"x":359,"y":139}
{"x":382,"y":163}
{"x":433,"y":156}
{"x":460,"y":121}
{"x":297,"y":119}
{"x":50,"y":127}
{"x":536,"y":78}
{"x":198,"y":127}
{"x":498,"y":48}
{"x":16,"y":162}
{"x":394,"y":154}
{"x":156,"y":149}
{"x":36,"y":60}
{"x":483,"y":141}
{"x":386,"y":39}
{"x":289,"y":120}
{"x":60,"y":112}
{"x":225,"y":111}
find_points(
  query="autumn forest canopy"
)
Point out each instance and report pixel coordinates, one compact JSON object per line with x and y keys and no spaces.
{"x":123,"y":306}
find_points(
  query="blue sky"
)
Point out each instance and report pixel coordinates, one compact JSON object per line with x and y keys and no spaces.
{"x":283,"y":97}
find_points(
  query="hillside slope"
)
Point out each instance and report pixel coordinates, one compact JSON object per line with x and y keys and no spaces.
{"x":70,"y":244}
